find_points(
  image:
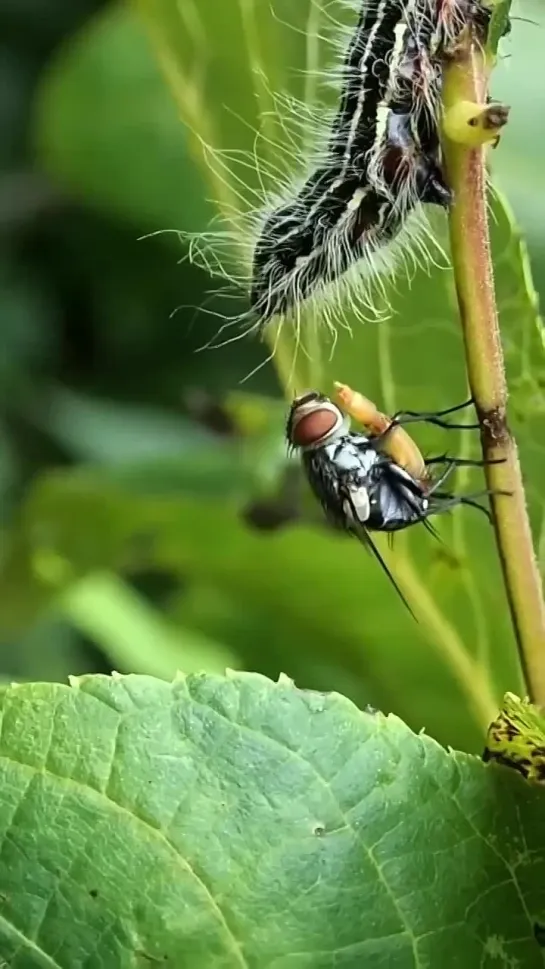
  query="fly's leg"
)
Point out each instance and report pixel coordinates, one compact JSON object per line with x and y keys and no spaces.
{"x":446,"y":411}
{"x":464,"y":462}
{"x":413,"y":417}
{"x":451,"y":464}
{"x":470,"y":502}
{"x":450,"y":501}
{"x":450,"y":467}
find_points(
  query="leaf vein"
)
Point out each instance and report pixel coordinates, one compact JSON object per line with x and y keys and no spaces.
{"x":326,"y":784}
{"x":47,"y":961}
{"x":157,"y":832}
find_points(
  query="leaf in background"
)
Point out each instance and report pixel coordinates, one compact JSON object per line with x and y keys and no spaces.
{"x":499,"y":24}
{"x":135,"y":636}
{"x":107,"y":128}
{"x":46,"y":650}
{"x":226,"y":67}
{"x":416,"y":360}
{"x":154,"y":449}
{"x":237,"y":822}
{"x":110,"y":432}
{"x":306,"y":594}
{"x":397,"y":363}
{"x":519,"y":80}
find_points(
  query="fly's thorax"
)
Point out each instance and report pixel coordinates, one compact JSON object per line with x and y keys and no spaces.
{"x":352,"y":461}
{"x":314,"y":422}
{"x":338,"y":472}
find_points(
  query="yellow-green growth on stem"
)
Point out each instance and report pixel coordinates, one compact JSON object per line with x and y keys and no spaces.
{"x":473,"y":125}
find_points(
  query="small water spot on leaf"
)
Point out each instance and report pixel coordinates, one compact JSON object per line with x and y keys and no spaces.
{"x":539,"y":934}
{"x":318,"y":830}
{"x":495,"y":948}
{"x":93,"y":892}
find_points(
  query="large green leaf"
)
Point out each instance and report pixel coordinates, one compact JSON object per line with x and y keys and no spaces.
{"x":243,"y":824}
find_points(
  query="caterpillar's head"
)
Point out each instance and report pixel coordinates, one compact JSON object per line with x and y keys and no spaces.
{"x":314,"y":420}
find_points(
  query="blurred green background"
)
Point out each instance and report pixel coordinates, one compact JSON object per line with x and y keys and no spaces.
{"x":150,"y":520}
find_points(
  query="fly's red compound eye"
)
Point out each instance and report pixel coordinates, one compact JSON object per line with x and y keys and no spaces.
{"x":312,"y":427}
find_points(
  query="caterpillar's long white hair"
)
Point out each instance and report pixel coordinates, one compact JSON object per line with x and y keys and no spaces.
{"x":272,"y":175}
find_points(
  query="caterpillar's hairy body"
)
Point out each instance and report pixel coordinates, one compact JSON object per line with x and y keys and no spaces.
{"x":332,"y":235}
{"x":383,"y":157}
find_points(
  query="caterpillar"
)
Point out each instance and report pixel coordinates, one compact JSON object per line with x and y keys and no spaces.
{"x":383,"y":157}
{"x":516,"y":738}
{"x":346,"y":223}
{"x":377,"y":481}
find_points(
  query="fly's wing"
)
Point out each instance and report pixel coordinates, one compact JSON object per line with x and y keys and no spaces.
{"x":412,"y":495}
{"x":410,"y":492}
{"x":341,"y":489}
{"x":359,"y":531}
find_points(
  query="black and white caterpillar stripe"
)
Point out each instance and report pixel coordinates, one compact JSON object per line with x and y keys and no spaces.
{"x":383,"y":157}
{"x":349,"y":214}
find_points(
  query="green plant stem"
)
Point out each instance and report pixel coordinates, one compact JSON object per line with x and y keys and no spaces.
{"x":466,"y":79}
{"x":470,"y":674}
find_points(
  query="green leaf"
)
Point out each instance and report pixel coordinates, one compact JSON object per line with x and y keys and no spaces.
{"x":129,"y":155}
{"x":238,"y":823}
{"x":499,"y":23}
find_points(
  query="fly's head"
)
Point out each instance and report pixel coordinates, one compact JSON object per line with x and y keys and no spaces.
{"x":314,"y":421}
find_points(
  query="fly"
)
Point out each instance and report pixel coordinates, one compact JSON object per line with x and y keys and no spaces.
{"x":377,"y":481}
